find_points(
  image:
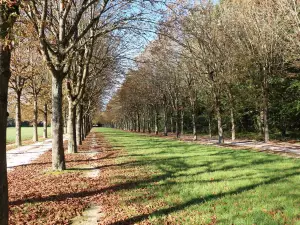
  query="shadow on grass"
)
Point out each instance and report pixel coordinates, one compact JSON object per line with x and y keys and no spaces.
{"x":175,"y":167}
{"x":197,"y":201}
{"x":134,"y":185}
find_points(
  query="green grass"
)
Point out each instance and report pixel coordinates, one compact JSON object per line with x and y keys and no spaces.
{"x":27,"y":133}
{"x":198,"y":184}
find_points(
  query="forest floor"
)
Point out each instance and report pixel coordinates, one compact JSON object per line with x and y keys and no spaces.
{"x":126,"y":178}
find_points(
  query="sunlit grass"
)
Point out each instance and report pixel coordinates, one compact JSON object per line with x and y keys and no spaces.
{"x":27,"y":133}
{"x":183,"y":183}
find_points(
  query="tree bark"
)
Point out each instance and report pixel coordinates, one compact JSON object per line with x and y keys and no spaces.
{"x":265,"y":109}
{"x":177,"y":125}
{"x":219,"y":119}
{"x":194,"y":126}
{"x":72,"y":146}
{"x":134,"y":125}
{"x":171,"y":121}
{"x":58,"y":156}
{"x":82,"y":123}
{"x":5,"y":56}
{"x":144,"y":124}
{"x":156,"y":123}
{"x":220,"y":129}
{"x":182,"y":122}
{"x":18,"y":120}
{"x":138,"y":123}
{"x":232,"y":115}
{"x":209,"y":127}
{"x":65,"y":119}
{"x":260,"y":121}
{"x":165,"y":123}
{"x":45,"y":122}
{"x":232,"y":124}
{"x":149,"y":125}
{"x":35,"y":118}
{"x":84,"y":126}
{"x":78,"y":124}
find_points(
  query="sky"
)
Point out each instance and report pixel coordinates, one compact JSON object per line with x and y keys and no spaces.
{"x":137,"y":42}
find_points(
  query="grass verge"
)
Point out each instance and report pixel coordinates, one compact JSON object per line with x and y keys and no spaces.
{"x":27,"y":133}
{"x":160,"y":181}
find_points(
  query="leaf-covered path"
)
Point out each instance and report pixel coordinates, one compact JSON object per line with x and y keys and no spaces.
{"x":37,"y":195}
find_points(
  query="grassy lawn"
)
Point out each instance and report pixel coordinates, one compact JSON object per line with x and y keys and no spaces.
{"x":184,"y":183}
{"x":27,"y":133}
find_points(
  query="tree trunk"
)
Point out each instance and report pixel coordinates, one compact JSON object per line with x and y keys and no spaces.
{"x":265,"y":109}
{"x":144,"y":124}
{"x":266,"y":124}
{"x":182,"y":122}
{"x":165,"y":123}
{"x":65,"y":119}
{"x":134,"y":125}
{"x":177,"y":125}
{"x":219,"y":119}
{"x":138,"y":123}
{"x":4,"y":77}
{"x":149,"y":125}
{"x":232,"y":115}
{"x":156,"y":123}
{"x":209,"y":127}
{"x":171,"y":121}
{"x":194,"y":126}
{"x":260,"y":121}
{"x":45,"y":122}
{"x":88,"y":125}
{"x":84,"y":127}
{"x":72,"y":146}
{"x":35,"y":118}
{"x":232,"y":124}
{"x":78,"y":124}
{"x":82,"y":123}
{"x":220,"y":129}
{"x":18,"y":120}
{"x":58,"y":156}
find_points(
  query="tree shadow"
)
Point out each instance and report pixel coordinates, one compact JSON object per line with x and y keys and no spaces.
{"x":197,"y":201}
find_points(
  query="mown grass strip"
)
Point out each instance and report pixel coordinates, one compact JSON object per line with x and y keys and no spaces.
{"x":184,"y":183}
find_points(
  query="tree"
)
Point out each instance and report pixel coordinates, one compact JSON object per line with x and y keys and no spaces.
{"x":37,"y":82}
{"x":17,"y":82}
{"x":60,"y":38}
{"x":9,"y":11}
